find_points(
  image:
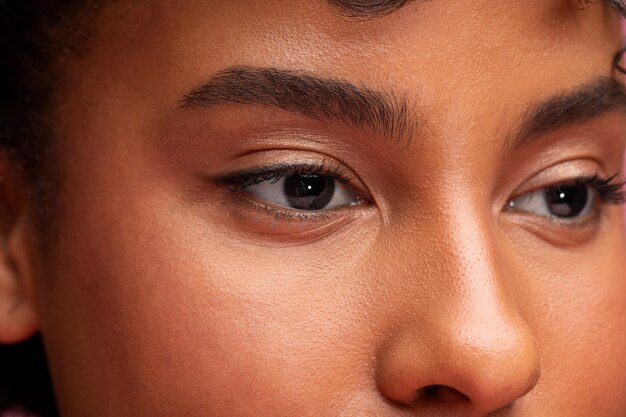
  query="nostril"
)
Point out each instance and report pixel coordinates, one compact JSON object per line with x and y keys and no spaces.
{"x":430,"y":391}
{"x":440,"y":394}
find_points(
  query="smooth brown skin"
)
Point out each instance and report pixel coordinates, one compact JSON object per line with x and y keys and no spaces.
{"x":162,"y":293}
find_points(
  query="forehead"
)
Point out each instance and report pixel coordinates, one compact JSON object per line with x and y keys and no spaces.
{"x":541,"y":21}
{"x":451,"y":41}
{"x":457,"y":61}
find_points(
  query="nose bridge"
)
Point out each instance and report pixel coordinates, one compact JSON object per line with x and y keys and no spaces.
{"x":476,"y":274}
{"x":466,"y":336}
{"x":482,"y":332}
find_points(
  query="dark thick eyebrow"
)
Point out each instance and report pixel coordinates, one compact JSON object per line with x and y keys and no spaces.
{"x":315,"y":97}
{"x":367,"y":9}
{"x":572,"y":107}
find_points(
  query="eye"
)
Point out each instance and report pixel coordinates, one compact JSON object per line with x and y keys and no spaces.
{"x":568,"y":201}
{"x":309,"y":192}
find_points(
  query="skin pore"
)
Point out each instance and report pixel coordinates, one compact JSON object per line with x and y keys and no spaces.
{"x":176,"y":282}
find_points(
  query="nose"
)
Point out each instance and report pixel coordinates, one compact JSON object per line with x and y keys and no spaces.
{"x":463,"y":349}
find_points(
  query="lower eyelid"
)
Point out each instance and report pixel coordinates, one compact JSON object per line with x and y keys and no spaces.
{"x":282,"y":213}
{"x":564,"y":232}
{"x":558,"y":232}
{"x":264,"y":224}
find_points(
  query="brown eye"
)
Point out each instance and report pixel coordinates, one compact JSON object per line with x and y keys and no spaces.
{"x":306,"y":192}
{"x":309,"y":192}
{"x":569,"y":202}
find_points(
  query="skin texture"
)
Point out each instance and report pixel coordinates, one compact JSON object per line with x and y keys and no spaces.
{"x":160,"y":292}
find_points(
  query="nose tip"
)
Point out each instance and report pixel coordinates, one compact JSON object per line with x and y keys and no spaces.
{"x":500,"y":372}
{"x":480,"y":368}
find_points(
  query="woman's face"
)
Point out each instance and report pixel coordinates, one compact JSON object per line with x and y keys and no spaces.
{"x":267,"y":208}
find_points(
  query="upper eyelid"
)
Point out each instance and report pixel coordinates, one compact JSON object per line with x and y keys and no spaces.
{"x":281,"y":211}
{"x":238,"y":181}
{"x":609,"y":190}
{"x":567,"y":171}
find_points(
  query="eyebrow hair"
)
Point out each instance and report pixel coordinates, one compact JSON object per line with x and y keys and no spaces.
{"x":314,"y":97}
{"x":576,"y":106}
{"x":384,"y":113}
{"x":370,"y":9}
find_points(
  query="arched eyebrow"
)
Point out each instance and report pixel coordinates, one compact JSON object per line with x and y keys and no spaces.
{"x":574,"y":106}
{"x":384,"y":113}
{"x":315,"y":97}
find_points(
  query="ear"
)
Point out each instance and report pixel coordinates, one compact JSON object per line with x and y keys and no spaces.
{"x":18,"y":317}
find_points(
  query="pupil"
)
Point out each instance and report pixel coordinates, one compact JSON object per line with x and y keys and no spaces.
{"x":309,"y":192}
{"x":567,"y":201}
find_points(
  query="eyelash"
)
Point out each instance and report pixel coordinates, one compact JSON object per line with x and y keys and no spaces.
{"x":240,"y":181}
{"x":609,"y":190}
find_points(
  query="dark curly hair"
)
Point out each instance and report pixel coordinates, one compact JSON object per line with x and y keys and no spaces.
{"x":36,"y":37}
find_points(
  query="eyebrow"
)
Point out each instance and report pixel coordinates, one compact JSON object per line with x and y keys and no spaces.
{"x":315,"y":97}
{"x":576,"y":106}
{"x":385,"y":113}
{"x":359,"y":9}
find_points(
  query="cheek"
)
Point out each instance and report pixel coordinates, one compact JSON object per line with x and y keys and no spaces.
{"x":164,"y":311}
{"x":157,"y":311}
{"x":576,"y":305}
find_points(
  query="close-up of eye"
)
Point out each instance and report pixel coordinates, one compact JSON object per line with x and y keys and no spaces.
{"x":574,"y":201}
{"x":300,"y":188}
{"x":304,"y":192}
